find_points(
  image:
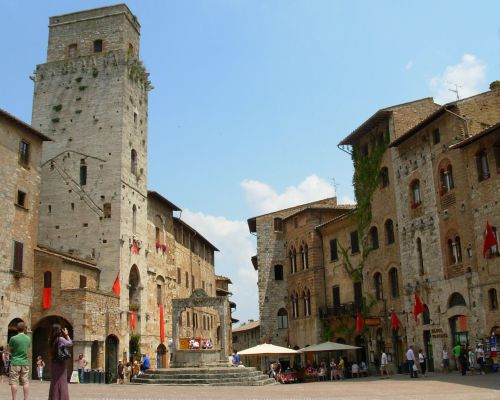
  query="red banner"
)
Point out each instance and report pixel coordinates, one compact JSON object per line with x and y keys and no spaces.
{"x":395,"y":322}
{"x":47,"y":298}
{"x":162,"y":325}
{"x":359,"y":324}
{"x":116,"y":285}
{"x":418,"y":307}
{"x":132,"y":320}
{"x":462,"y":323}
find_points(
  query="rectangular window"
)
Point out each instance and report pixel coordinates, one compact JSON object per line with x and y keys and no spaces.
{"x":21,"y":198}
{"x":336,"y":296}
{"x":179,"y":276}
{"x":83,"y":281}
{"x":192,"y":282}
{"x":83,"y":175}
{"x":334,"y":255}
{"x":436,"y":136}
{"x":17,"y":265}
{"x":159,"y":299}
{"x":188,"y":319}
{"x":107,"y":210}
{"x":354,"y":242}
{"x":72,"y":50}
{"x":98,"y":46}
{"x":203,"y":285}
{"x":157,"y":234}
{"x":278,"y":225}
{"x":24,"y":152}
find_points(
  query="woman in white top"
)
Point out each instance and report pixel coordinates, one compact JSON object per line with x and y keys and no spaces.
{"x":421,"y":361}
{"x":446,"y":360}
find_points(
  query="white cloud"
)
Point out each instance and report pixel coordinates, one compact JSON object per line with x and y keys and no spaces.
{"x":468,"y":75}
{"x":409,"y":65}
{"x":236,"y":246}
{"x":262,"y":198}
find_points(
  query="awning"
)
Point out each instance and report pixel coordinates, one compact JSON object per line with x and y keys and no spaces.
{"x":328,"y":346}
{"x":267,"y":349}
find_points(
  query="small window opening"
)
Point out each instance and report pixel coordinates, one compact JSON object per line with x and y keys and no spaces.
{"x":21,"y":198}
{"x":98,"y":46}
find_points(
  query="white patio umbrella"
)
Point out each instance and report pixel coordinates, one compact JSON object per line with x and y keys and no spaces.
{"x":267,"y":350}
{"x":327,"y":346}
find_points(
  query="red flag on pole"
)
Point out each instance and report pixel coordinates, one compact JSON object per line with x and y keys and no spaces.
{"x":132,"y":320}
{"x":116,"y":285}
{"x":489,"y":240}
{"x":395,"y":322}
{"x":359,"y":324}
{"x":47,"y":298}
{"x":418,"y":308}
{"x":162,"y":325}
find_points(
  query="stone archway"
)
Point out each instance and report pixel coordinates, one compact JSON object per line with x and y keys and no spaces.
{"x":41,"y":333}
{"x":161,"y":356}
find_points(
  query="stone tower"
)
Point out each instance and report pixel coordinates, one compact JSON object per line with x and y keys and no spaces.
{"x":91,"y":98}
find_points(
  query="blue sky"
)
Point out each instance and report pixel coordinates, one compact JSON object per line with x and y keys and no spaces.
{"x":251,"y":97}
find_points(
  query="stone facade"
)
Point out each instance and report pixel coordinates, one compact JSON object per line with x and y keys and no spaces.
{"x":246,"y":336}
{"x":111,"y":253}
{"x":20,"y":173}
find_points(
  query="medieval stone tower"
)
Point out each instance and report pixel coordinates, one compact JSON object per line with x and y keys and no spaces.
{"x":91,"y":98}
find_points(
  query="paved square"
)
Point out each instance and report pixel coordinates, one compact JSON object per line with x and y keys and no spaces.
{"x":452,"y":386}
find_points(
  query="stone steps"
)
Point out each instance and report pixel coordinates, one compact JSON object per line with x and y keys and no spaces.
{"x":221,"y":376}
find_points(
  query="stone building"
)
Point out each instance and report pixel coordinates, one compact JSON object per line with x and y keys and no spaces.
{"x":270,"y":262}
{"x":445,"y":196}
{"x":112,"y":254}
{"x":20,"y":174}
{"x":246,"y":335}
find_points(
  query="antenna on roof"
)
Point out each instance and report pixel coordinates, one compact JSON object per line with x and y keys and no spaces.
{"x":455,"y":90}
{"x":335,"y":184}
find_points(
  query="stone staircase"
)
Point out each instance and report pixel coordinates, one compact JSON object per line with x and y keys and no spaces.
{"x":205,"y":376}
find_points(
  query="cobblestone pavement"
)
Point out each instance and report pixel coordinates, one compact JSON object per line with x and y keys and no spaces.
{"x":439,"y":387}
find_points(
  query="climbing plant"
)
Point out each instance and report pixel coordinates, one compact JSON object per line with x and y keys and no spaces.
{"x":135,"y":344}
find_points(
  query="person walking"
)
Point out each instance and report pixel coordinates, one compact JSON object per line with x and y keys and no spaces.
{"x":19,"y":369}
{"x":40,"y":365}
{"x":410,"y":359}
{"x":82,"y":363}
{"x":58,"y":340}
{"x":446,"y":360}
{"x":463,"y":360}
{"x":457,"y":350}
{"x":422,"y":361}
{"x":480,"y":359}
{"x":383,"y":364}
{"x":3,"y":367}
{"x":121,"y":372}
{"x":471,"y":358}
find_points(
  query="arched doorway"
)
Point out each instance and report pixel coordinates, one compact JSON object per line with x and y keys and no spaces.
{"x":111,"y":359}
{"x":12,"y":328}
{"x":161,"y":356}
{"x":397,"y":350}
{"x":360,"y":353}
{"x":41,"y":334}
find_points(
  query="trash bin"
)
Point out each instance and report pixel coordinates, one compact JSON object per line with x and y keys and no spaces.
{"x":101,"y":377}
{"x":92,"y":376}
{"x":86,"y":377}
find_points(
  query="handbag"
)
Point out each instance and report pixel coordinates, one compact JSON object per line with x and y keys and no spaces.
{"x":62,"y":353}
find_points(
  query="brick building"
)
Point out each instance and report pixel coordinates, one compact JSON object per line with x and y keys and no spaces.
{"x":20,"y":173}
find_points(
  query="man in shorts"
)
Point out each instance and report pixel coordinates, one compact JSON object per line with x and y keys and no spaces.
{"x":383,"y":365}
{"x":19,"y":369}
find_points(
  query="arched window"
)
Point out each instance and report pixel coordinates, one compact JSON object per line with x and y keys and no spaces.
{"x":384,"y":177}
{"x":420,"y":257}
{"x":492,"y":299}
{"x":456,"y":299}
{"x":307,"y":302}
{"x":482,"y":166}
{"x":160,"y":283}
{"x":373,"y":235}
{"x":454,"y":250}
{"x":446,"y":177}
{"x":134,"y":219}
{"x":278,"y":272}
{"x":305,"y":257}
{"x":133,"y":162}
{"x":282,"y":319}
{"x":415,"y":194}
{"x":293,"y":261}
{"x":389,"y":231}
{"x":393,"y":279}
{"x":377,"y":282}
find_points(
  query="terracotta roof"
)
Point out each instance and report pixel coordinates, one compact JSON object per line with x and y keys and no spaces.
{"x":248,"y":326}
{"x":340,"y":217}
{"x":337,"y":207}
{"x":176,"y":219}
{"x":158,"y":196}
{"x":380,"y":115}
{"x":475,"y":137}
{"x":23,"y":125}
{"x":223,"y":278}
